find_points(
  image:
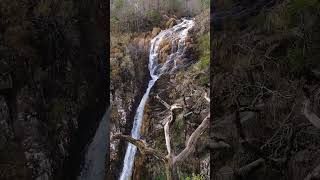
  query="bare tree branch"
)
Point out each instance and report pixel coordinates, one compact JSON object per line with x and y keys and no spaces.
{"x":142,"y":146}
{"x":170,"y":160}
{"x":218,"y":145}
{"x":206,"y":96}
{"x":192,"y":141}
{"x":167,"y":135}
{"x":245,"y":170}
{"x":163,"y":102}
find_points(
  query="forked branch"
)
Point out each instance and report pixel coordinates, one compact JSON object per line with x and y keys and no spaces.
{"x":142,"y":146}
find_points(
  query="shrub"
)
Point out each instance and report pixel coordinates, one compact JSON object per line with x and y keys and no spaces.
{"x":203,"y":80}
{"x":118,"y":4}
{"x":204,"y":51}
{"x":153,"y":15}
{"x":161,"y":177}
{"x":194,"y":177}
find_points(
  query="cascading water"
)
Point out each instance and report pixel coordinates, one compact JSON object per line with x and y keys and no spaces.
{"x":178,"y":32}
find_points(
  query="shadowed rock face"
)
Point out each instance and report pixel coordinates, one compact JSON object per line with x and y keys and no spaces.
{"x":127,"y":88}
{"x":280,"y":129}
{"x":58,"y":96}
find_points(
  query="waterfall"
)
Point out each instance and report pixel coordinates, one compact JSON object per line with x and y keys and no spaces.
{"x":95,"y":159}
{"x":178,"y":32}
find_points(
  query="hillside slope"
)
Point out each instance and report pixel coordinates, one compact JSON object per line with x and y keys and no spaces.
{"x":53,"y":84}
{"x":265,"y":89}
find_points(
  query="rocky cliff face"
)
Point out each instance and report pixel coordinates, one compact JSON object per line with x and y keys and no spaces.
{"x":129,"y":71}
{"x":185,"y":88}
{"x":261,"y":81}
{"x":53,"y":88}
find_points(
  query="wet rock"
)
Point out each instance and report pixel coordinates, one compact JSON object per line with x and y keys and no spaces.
{"x":189,"y":40}
{"x":164,"y":52}
{"x":165,"y":48}
{"x":189,"y":45}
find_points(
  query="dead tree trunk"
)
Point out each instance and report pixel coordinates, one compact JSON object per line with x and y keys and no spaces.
{"x":170,"y":160}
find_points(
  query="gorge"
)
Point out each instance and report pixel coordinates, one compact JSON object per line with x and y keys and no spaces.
{"x":177,"y":33}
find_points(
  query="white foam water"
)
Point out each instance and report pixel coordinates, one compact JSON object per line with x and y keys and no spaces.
{"x":178,"y":32}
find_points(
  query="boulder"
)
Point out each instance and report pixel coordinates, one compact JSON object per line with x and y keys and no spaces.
{"x":155,"y":31}
{"x":164,"y":52}
{"x":165,"y":17}
{"x":189,"y":39}
{"x":180,"y":61}
{"x":188,"y":45}
{"x":116,"y":50}
{"x":166,"y":48}
{"x":141,"y":43}
{"x":163,"y":43}
{"x":163,"y":58}
{"x":171,"y":22}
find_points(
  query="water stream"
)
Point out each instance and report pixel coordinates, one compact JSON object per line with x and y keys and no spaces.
{"x":178,"y":33}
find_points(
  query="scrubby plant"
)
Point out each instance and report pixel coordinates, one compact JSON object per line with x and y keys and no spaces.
{"x":161,"y":177}
{"x":194,"y":177}
{"x":204,"y":51}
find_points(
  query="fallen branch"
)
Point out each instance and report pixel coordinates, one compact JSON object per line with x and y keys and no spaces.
{"x":142,"y":146}
{"x":170,"y":159}
{"x":247,"y":169}
{"x":242,"y":172}
{"x":218,"y":145}
{"x":191,"y":143}
{"x":163,"y":102}
{"x":206,"y":97}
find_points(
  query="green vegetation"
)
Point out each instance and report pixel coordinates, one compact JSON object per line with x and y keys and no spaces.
{"x":204,"y":51}
{"x":143,"y":15}
{"x":194,"y":177}
{"x":161,"y":177}
{"x":204,"y":80}
{"x":205,"y":4}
